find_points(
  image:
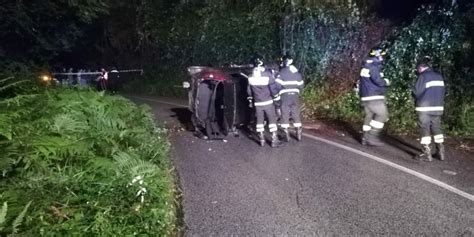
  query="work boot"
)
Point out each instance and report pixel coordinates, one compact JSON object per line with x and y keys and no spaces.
{"x":373,"y":137}
{"x":425,"y":155}
{"x":440,"y":151}
{"x":365,"y":137}
{"x":299,"y":133}
{"x":286,"y":137}
{"x":275,"y":141}
{"x":261,"y":138}
{"x":200,"y":135}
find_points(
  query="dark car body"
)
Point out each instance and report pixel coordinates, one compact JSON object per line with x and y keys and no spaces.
{"x":218,"y":99}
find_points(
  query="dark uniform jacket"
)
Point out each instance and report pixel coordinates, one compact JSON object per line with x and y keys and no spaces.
{"x":372,"y":85}
{"x":262,"y":86}
{"x":290,"y":80}
{"x":429,"y":92}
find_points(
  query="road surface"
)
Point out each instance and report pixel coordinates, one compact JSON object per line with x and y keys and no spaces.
{"x":325,"y":185}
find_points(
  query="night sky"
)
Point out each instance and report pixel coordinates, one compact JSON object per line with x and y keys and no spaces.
{"x":400,"y":10}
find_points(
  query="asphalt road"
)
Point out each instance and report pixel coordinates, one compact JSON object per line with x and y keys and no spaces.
{"x":313,"y":188}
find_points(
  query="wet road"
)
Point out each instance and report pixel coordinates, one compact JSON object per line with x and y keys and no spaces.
{"x":310,"y":188}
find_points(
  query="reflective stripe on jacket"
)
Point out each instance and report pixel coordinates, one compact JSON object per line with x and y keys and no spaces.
{"x":262,"y":86}
{"x":429,"y":92}
{"x":290,"y":80}
{"x":372,"y":86}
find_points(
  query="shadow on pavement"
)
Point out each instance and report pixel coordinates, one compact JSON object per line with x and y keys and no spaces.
{"x":349,"y":128}
{"x":402,"y":145}
{"x":184,"y":117}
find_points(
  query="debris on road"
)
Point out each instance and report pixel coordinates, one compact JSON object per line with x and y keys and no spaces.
{"x":449,"y":172}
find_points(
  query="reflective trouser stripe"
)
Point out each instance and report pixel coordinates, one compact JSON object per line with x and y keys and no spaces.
{"x":429,"y":109}
{"x":439,"y":138}
{"x":366,"y":128}
{"x":376,"y":124}
{"x":289,"y":91}
{"x":425,"y":140}
{"x":285,"y":125}
{"x":375,"y":97}
{"x":272,"y":127}
{"x":260,"y":127}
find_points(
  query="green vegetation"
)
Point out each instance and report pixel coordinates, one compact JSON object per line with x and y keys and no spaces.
{"x":163,"y":82}
{"x":81,"y":163}
{"x":330,"y":42}
{"x":38,"y":30}
{"x":329,"y":39}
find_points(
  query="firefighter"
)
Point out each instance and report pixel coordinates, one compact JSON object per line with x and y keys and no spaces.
{"x":372,"y":90}
{"x":262,"y":88}
{"x":429,"y":96}
{"x":291,"y":82}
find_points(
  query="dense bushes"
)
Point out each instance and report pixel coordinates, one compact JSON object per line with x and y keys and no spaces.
{"x":437,"y":32}
{"x":163,"y":82}
{"x":78,"y":162}
{"x":329,"y":43}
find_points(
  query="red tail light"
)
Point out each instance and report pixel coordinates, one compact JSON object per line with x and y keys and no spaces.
{"x":213,"y":76}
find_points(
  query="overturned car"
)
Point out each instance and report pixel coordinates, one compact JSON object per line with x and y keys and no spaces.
{"x":218,"y":100}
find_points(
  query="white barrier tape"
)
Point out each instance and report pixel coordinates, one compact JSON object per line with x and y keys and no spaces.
{"x":93,"y":73}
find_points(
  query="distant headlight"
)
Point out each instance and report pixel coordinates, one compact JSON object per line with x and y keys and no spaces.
{"x":46,"y":78}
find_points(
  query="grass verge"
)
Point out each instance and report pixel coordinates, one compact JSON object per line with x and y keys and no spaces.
{"x":81,"y":163}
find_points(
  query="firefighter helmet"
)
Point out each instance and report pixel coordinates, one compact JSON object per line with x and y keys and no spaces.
{"x":377,"y":52}
{"x":425,"y":62}
{"x":257,"y":61}
{"x":287,"y":60}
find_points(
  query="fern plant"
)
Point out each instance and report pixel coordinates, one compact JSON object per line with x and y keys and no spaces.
{"x":74,"y":152}
{"x":14,"y":228}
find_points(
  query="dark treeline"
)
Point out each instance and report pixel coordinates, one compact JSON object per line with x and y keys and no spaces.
{"x":110,"y":30}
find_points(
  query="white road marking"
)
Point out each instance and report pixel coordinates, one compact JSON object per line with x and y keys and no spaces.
{"x":396,"y":166}
{"x":364,"y":154}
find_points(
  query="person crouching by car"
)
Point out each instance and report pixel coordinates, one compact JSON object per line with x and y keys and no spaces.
{"x":262,"y":89}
